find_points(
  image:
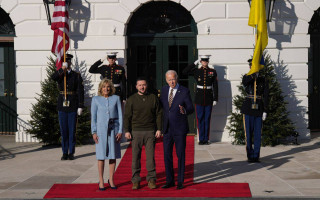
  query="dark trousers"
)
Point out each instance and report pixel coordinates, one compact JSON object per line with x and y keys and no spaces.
{"x":252,"y":127}
{"x":203,"y":121}
{"x":140,"y":138}
{"x":169,"y":139}
{"x":67,"y":122}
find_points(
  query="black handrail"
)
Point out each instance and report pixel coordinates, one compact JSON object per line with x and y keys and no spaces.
{"x":8,"y":119}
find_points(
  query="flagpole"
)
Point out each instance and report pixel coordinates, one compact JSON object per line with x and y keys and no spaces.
{"x":64,"y":60}
{"x":60,"y":24}
{"x":255,"y":79}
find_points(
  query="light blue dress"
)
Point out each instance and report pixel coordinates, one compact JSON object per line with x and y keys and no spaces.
{"x":102,"y":110}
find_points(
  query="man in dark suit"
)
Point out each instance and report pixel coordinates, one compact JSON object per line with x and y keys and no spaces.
{"x":254,"y":110}
{"x":177,"y":104}
{"x":69,"y":105}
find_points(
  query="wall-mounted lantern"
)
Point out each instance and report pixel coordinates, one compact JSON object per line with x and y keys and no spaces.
{"x":269,"y":4}
{"x":49,"y":6}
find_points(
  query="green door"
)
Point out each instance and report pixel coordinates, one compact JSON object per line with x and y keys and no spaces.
{"x":152,"y":57}
{"x":8,"y":100}
{"x":314,"y":72}
{"x":145,"y":59}
{"x":177,"y":55}
{"x":314,"y":81}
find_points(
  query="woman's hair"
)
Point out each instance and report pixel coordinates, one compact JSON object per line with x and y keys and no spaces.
{"x":104,"y":82}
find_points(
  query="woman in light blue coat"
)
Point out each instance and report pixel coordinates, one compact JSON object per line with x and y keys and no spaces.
{"x":106,"y":127}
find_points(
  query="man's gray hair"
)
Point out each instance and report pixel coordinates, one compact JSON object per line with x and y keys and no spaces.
{"x":172,"y":72}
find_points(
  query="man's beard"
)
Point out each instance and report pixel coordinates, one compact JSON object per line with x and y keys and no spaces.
{"x":142,"y":92}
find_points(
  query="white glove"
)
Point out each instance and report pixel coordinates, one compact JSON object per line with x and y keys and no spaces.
{"x":65,"y":64}
{"x":196,"y":62}
{"x":103,"y":58}
{"x":264,"y":116}
{"x":214,"y":103}
{"x":79,"y":111}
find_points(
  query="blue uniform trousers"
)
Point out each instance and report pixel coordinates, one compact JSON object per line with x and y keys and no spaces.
{"x":169,"y":139}
{"x":252,"y":127}
{"x":67,"y":122}
{"x":203,"y":121}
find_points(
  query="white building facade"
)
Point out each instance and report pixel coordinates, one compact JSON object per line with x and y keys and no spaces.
{"x":221,"y":30}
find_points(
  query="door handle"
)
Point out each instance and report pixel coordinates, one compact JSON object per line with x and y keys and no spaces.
{"x":5,"y":94}
{"x":11,"y":94}
{"x":159,"y":93}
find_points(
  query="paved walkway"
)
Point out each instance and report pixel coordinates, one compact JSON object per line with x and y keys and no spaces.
{"x":28,"y":170}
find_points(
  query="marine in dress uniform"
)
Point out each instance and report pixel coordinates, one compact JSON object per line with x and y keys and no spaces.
{"x":113,"y":72}
{"x":254,"y":112}
{"x":69,"y":108}
{"x":206,"y":95}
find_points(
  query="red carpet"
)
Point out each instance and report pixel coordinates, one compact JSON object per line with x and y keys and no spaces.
{"x":123,"y":181}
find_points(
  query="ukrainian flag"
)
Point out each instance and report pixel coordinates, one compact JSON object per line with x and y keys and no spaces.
{"x":257,"y":18}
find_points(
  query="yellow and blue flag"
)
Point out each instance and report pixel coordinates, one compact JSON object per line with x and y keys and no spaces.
{"x":257,"y":18}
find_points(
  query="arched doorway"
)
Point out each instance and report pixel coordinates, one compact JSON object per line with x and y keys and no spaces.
{"x":8,"y":100}
{"x":161,"y":36}
{"x":314,"y":72}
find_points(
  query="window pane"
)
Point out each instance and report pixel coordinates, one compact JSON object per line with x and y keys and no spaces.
{"x":173,"y":53}
{"x":152,"y":78}
{"x":1,"y":54}
{"x":1,"y":71}
{"x":1,"y":88}
{"x":141,"y":54}
{"x":183,"y":53}
{"x":183,"y":83}
{"x":181,"y":67}
{"x":174,"y":66}
{"x":141,"y":70}
{"x":151,"y":71}
{"x":152,"y":53}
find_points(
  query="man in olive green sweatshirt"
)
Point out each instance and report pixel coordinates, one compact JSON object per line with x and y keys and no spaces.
{"x":142,"y":124}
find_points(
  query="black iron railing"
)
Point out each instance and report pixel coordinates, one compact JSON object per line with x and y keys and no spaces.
{"x":8,"y":120}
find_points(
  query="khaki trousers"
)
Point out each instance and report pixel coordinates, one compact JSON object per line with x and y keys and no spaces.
{"x":140,"y":138}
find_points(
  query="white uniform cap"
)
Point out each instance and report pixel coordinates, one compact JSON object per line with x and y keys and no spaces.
{"x":112,"y":54}
{"x":205,"y":57}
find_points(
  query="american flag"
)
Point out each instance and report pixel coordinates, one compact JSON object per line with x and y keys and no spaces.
{"x":60,"y":25}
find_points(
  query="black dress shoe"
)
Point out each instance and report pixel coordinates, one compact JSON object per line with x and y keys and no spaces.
{"x":101,"y":189}
{"x":71,"y":157}
{"x":114,"y":188}
{"x":207,"y":143}
{"x":168,"y":185}
{"x":200,"y":143}
{"x":256,"y":160}
{"x":250,"y":160}
{"x":64,"y":156}
{"x":179,"y":186}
